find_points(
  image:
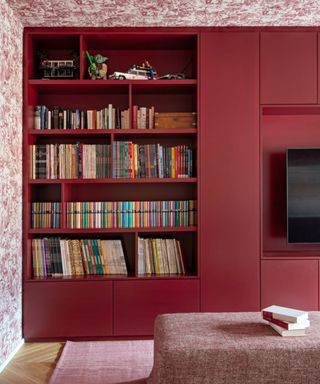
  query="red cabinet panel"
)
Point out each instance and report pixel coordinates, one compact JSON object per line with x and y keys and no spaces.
{"x":229,"y":176}
{"x":279,"y":132}
{"x":137,"y":303}
{"x":288,"y":67}
{"x":67,"y":309}
{"x":290,"y":283}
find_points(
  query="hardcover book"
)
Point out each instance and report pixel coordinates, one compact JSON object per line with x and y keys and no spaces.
{"x":287,"y":325}
{"x":284,"y":332}
{"x":283,"y":313}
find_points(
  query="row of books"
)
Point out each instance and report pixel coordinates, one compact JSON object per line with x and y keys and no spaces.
{"x":131,"y":214}
{"x":132,"y":160}
{"x":143,"y":117}
{"x":56,"y":257}
{"x":160,"y":257}
{"x":115,"y":214}
{"x":70,"y":161}
{"x":286,"y":321}
{"x":46,"y":215}
{"x":59,"y":118}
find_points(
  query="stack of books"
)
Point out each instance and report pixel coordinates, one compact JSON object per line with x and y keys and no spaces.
{"x":286,"y":321}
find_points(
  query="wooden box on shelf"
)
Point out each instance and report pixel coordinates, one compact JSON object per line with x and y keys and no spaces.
{"x":175,"y":120}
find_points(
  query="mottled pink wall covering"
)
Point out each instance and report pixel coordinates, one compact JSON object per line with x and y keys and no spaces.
{"x":10,"y":180}
{"x":99,"y":13}
{"x":166,"y":13}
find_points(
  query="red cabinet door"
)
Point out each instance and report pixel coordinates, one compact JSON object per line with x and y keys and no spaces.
{"x":290,"y":283}
{"x":137,"y":303}
{"x":67,"y":309}
{"x":288,"y":67}
{"x":229,"y":177}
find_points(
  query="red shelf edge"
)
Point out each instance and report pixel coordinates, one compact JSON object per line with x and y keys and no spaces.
{"x":111,"y":278}
{"x":93,"y":132}
{"x":115,"y":181}
{"x":111,"y":230}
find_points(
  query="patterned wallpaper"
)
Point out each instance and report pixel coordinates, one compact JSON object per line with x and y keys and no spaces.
{"x":17,"y":13}
{"x":10,"y":180}
{"x":166,"y":12}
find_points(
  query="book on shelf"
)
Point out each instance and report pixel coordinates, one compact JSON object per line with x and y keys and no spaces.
{"x":290,"y":315}
{"x":160,"y":256}
{"x":70,"y":161}
{"x":143,"y":117}
{"x":109,"y":117}
{"x":284,"y":332}
{"x":131,"y":160}
{"x":46,"y":215}
{"x":130,"y":214}
{"x":56,"y":257}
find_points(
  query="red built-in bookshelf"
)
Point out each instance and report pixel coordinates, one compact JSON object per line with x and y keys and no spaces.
{"x":256,"y":93}
{"x":45,"y":298}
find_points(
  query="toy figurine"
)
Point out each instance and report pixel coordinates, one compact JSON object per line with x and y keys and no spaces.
{"x":98,"y":68}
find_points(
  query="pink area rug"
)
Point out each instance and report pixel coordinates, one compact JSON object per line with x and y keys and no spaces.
{"x":104,"y":362}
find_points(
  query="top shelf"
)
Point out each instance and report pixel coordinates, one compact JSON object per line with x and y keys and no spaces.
{"x":167,"y":53}
{"x":101,"y":83}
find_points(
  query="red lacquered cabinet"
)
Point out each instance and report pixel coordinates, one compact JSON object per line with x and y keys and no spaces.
{"x":289,"y":67}
{"x":67,"y":309}
{"x":98,"y":169}
{"x":290,"y":283}
{"x":252,"y":93}
{"x":229,"y":178}
{"x":142,"y":301}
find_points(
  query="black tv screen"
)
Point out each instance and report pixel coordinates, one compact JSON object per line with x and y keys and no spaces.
{"x":303,"y":195}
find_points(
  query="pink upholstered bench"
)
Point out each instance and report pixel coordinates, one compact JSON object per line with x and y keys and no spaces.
{"x":232,"y":348}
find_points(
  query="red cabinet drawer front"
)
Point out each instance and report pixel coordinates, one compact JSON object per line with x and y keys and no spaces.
{"x":67,"y":309}
{"x":288,"y":67}
{"x":137,"y":303}
{"x":290,"y":283}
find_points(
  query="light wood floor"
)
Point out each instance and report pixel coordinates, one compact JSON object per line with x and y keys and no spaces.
{"x":33,"y":364}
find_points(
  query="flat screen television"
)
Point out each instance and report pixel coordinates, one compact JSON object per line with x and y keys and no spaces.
{"x":303,"y":195}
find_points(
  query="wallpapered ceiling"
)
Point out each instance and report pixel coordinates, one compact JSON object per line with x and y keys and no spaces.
{"x":166,"y":13}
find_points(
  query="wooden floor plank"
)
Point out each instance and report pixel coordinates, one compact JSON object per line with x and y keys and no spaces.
{"x":33,"y":364}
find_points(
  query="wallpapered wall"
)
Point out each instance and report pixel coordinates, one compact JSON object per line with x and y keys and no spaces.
{"x":90,"y":13}
{"x":10,"y":180}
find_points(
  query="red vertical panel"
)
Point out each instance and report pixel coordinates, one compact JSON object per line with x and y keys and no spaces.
{"x":137,"y":303}
{"x":288,"y":67}
{"x":290,"y":283}
{"x":229,"y":179}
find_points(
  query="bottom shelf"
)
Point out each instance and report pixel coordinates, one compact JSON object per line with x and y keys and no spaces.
{"x":103,"y":309}
{"x":130,"y":255}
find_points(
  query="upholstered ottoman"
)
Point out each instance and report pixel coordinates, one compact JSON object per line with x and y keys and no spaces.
{"x":232,"y":348}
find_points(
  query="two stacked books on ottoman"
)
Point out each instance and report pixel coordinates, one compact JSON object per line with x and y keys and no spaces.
{"x":286,"y":321}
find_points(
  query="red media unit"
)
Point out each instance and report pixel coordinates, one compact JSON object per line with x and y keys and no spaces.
{"x":254,"y":94}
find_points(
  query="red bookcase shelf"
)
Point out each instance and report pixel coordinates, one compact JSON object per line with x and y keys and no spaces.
{"x":64,"y":231}
{"x":113,"y":132}
{"x":72,"y":152}
{"x":115,"y":181}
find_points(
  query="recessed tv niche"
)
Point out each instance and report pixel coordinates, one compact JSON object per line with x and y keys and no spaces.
{"x":303,"y":195}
